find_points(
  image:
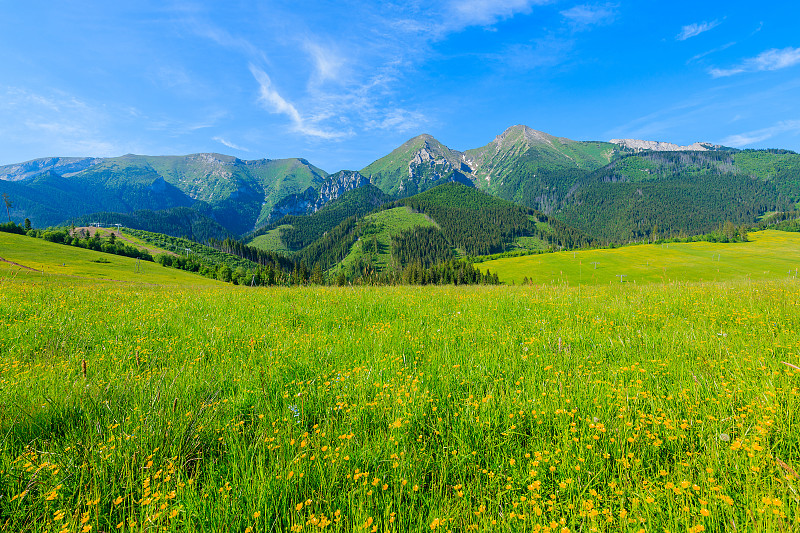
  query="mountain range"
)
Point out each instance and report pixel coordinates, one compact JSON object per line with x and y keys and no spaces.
{"x":614,"y":191}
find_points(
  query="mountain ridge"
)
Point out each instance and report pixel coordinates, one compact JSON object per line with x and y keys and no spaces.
{"x":554,"y":175}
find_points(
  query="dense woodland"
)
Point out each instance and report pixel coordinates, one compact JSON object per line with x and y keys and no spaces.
{"x":631,"y":211}
{"x":423,"y":246}
{"x":185,"y":222}
{"x":481,"y":224}
{"x":235,"y":262}
{"x":452,"y":272}
{"x":670,"y":194}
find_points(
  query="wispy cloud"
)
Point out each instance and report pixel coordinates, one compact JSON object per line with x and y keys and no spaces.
{"x":545,"y":52}
{"x":585,"y":15}
{"x":229,"y":144}
{"x":275,"y":103}
{"x":226,"y":40}
{"x":709,"y":52}
{"x":467,"y":13}
{"x":756,"y":136}
{"x":400,"y":120}
{"x":693,"y":30}
{"x":327,"y":63}
{"x":64,"y":123}
{"x":773,"y":59}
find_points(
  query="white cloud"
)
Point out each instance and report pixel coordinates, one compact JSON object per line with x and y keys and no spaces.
{"x":399,"y":120}
{"x":588,"y":15}
{"x":487,"y":12}
{"x":275,"y":103}
{"x":327,"y":63}
{"x":229,"y":144}
{"x":751,"y":137}
{"x":692,"y":30}
{"x":772,"y":59}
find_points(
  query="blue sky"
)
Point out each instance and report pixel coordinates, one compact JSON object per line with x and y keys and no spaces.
{"x":342,"y":83}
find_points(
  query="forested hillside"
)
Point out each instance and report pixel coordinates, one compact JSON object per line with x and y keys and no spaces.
{"x":677,"y":193}
{"x":178,"y":222}
{"x":481,"y":224}
{"x":297,"y":232}
{"x":434,"y":226}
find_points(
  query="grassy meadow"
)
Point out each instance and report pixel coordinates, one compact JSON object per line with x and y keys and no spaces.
{"x":661,"y":407}
{"x":770,"y":254}
{"x":37,"y":258}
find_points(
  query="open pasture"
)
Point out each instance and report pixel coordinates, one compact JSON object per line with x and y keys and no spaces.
{"x":621,"y":408}
{"x":29,"y":258}
{"x":770,"y":254}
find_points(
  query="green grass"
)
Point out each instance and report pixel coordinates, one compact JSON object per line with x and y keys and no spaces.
{"x":387,"y":223}
{"x":770,"y":255}
{"x":400,"y":409}
{"x":49,"y":259}
{"x":528,"y":243}
{"x":271,"y":241}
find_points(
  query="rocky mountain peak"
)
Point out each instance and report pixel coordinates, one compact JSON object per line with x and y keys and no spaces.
{"x":522,"y":133}
{"x":63,"y":166}
{"x":659,"y":146}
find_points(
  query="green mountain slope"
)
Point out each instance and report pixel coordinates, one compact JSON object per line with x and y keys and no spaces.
{"x":672,"y":193}
{"x":461,"y":221}
{"x":415,"y":166}
{"x":177,"y":221}
{"x":237,"y":194}
{"x":296,"y":232}
{"x":372,"y":250}
{"x":521,"y":165}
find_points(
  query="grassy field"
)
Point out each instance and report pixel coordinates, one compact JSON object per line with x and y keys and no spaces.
{"x":610,"y":408}
{"x":46,"y":259}
{"x":770,"y":255}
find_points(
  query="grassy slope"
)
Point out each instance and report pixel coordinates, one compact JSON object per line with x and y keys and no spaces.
{"x":387,"y":223}
{"x":770,"y":255}
{"x":271,"y":241}
{"x":58,"y":260}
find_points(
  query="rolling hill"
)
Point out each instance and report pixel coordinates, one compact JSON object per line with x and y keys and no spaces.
{"x":37,"y":259}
